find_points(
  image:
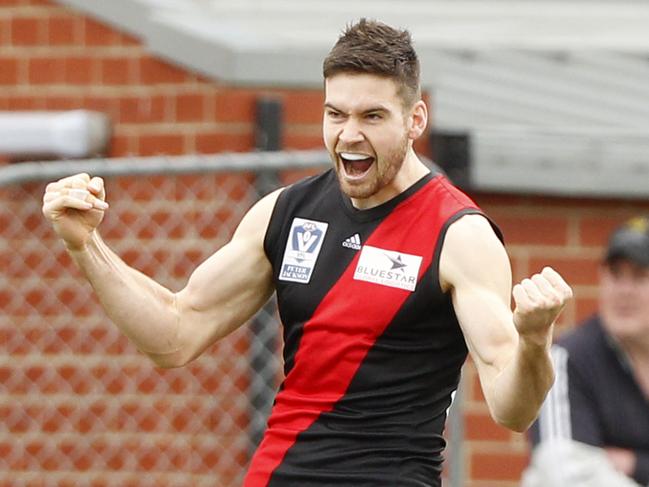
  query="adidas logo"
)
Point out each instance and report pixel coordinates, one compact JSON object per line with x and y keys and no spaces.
{"x":353,"y":242}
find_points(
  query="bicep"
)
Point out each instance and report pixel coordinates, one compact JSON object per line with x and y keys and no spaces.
{"x":475,"y":268}
{"x":231,"y":285}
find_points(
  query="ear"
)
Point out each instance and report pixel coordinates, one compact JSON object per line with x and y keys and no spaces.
{"x":417,"y":120}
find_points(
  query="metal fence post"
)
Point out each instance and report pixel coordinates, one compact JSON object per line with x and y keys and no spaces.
{"x":264,"y":341}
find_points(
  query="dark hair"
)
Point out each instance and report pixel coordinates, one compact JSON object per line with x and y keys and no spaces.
{"x":372,"y":47}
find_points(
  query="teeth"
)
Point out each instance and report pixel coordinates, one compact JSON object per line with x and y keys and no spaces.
{"x":353,"y":157}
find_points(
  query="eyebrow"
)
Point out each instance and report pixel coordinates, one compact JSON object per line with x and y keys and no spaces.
{"x":377,"y":108}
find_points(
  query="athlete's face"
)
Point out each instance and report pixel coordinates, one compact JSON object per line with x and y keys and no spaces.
{"x":624,"y":300}
{"x":369,"y":133}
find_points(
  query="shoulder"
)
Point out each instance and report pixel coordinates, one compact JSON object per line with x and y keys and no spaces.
{"x":472,"y":250}
{"x":470,"y":232}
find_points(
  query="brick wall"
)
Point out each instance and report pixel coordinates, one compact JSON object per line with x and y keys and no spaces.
{"x":55,"y":59}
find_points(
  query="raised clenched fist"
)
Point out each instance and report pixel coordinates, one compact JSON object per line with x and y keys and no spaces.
{"x":539,"y":300}
{"x":75,"y":206}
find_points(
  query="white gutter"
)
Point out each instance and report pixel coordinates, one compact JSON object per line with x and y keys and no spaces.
{"x":71,"y":134}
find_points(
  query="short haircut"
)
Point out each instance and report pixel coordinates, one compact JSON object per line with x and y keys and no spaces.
{"x":372,"y":47}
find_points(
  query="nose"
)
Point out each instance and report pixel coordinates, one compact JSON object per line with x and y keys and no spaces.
{"x":351,"y":132}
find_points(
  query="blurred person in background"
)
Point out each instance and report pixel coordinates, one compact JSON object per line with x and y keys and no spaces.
{"x":386,"y":276}
{"x":593,"y":429}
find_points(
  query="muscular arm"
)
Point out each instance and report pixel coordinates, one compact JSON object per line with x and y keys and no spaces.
{"x":510,"y":350}
{"x":221,"y":294}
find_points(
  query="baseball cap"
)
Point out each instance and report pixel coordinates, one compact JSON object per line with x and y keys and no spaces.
{"x":630,"y":241}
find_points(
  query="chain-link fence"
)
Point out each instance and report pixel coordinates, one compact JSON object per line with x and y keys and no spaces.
{"x":79,"y":405}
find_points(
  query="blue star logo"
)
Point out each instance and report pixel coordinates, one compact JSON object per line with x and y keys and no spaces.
{"x":396,"y":263}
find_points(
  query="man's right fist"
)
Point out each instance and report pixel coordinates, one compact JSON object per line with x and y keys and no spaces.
{"x":75,"y":207}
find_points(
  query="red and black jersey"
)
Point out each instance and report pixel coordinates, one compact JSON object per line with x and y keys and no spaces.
{"x":372,"y":347}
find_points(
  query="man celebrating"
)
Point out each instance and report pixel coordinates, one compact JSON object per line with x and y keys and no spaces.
{"x":385,"y":275}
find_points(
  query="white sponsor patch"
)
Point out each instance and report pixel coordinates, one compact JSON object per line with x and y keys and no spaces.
{"x":388,"y":268}
{"x":302,"y":248}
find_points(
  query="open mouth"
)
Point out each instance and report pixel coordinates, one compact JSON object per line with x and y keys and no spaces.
{"x":356,"y":165}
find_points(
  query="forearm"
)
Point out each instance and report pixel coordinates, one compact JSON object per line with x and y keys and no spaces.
{"x":142,"y":309}
{"x":518,"y":390}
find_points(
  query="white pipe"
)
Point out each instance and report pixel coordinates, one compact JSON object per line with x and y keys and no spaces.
{"x":76,"y":133}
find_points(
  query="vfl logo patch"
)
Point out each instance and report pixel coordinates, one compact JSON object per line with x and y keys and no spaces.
{"x":302,"y":248}
{"x":388,"y":268}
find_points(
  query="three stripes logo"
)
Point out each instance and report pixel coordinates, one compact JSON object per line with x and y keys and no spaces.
{"x":353,"y":242}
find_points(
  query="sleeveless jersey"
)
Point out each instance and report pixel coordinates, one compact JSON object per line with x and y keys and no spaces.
{"x":372,"y":347}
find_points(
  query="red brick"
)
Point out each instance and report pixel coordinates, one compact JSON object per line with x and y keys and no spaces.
{"x":143,"y":109}
{"x":498,"y":466}
{"x":585,"y":307}
{"x":112,"y":342}
{"x":220,"y":223}
{"x":6,"y":297}
{"x":28,"y":31}
{"x":8,"y":71}
{"x":125,"y":39}
{"x":575,"y":270}
{"x":138,"y":190}
{"x":205,"y":187}
{"x":303,"y":141}
{"x":122,"y":145}
{"x":190,"y":108}
{"x":62,"y":102}
{"x":235,"y":105}
{"x":213,"y":143}
{"x":98,"y":34}
{"x":303,"y":106}
{"x":154,"y":71}
{"x":81,"y":70}
{"x":118,"y":71}
{"x":160,"y":144}
{"x":63,"y":30}
{"x":33,"y":220}
{"x":5,"y":31}
{"x":173,"y":223}
{"x":595,"y":231}
{"x":75,"y":299}
{"x":531,"y":229}
{"x":48,"y":70}
{"x":480,"y":427}
{"x":185,"y":265}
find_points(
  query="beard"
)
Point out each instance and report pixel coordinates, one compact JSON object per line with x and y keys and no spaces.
{"x":384,"y":169}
